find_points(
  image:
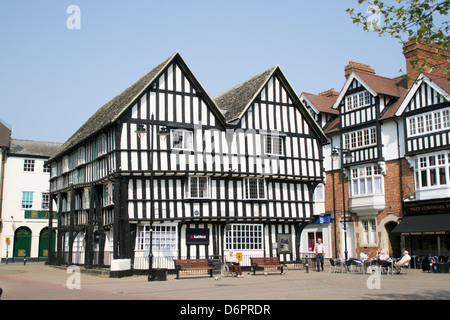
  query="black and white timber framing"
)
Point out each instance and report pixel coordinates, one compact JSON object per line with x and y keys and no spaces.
{"x":426,"y":113}
{"x":361,"y":103}
{"x":251,"y":158}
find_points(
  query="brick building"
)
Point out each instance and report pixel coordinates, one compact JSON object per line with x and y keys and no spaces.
{"x":373,"y":176}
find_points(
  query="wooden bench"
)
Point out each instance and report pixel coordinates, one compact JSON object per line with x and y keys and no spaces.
{"x":272,"y":262}
{"x":192,"y":264}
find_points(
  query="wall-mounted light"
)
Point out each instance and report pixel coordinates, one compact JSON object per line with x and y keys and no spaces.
{"x":140,"y":131}
{"x":163,"y":132}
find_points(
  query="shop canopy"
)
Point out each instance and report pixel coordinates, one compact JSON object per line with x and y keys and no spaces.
{"x":424,"y":224}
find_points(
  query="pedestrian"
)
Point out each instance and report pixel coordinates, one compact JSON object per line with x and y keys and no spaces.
{"x":320,"y":252}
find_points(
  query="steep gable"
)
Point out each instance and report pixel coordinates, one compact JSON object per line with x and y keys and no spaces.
{"x":268,"y":102}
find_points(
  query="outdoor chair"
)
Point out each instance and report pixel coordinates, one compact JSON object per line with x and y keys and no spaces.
{"x":385,"y":266}
{"x":354,"y":264}
{"x":334,"y":264}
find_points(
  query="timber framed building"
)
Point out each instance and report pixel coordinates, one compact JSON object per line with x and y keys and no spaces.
{"x":236,"y":172}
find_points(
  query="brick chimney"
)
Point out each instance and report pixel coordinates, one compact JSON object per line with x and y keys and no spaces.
{"x":355,"y":66}
{"x":428,"y":52}
{"x":329,"y":93}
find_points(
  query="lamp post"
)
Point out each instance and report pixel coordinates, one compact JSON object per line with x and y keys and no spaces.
{"x":140,"y":131}
{"x":348,"y":157}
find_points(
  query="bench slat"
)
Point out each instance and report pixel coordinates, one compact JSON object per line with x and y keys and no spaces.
{"x":192,"y":264}
{"x":270,"y":262}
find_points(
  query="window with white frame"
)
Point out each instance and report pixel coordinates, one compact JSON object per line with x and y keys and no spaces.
{"x":164,"y":238}
{"x":102,"y":144}
{"x":27,"y":200}
{"x":357,"y":100}
{"x":273,"y":145}
{"x":198,"y":188}
{"x":254,"y":189}
{"x":108,"y":190}
{"x":244,"y":237}
{"x":370,"y":231}
{"x":28,"y":165}
{"x":45,"y":168}
{"x":366,"y":180}
{"x":432,"y":170}
{"x":45,"y":204}
{"x":319,"y":193}
{"x":360,"y":139}
{"x":429,"y":122}
{"x":182,"y":139}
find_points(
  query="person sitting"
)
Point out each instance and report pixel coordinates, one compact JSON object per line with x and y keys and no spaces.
{"x":363,"y":255}
{"x":235,"y":262}
{"x":403,"y":262}
{"x":383,"y":256}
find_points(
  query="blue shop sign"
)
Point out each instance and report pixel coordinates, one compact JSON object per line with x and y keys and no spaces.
{"x":322,"y":219}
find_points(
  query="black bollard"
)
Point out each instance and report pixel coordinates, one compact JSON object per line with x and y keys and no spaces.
{"x":1,"y":291}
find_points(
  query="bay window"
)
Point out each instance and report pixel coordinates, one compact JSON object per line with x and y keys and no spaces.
{"x":366,"y":180}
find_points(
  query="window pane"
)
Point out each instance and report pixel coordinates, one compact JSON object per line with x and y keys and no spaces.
{"x":378,"y":185}
{"x":27,"y":200}
{"x":442,"y":177}
{"x":424,"y":178}
{"x":433,"y":178}
{"x":28,"y":165}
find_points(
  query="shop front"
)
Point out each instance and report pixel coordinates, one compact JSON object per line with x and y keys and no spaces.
{"x":425,"y":228}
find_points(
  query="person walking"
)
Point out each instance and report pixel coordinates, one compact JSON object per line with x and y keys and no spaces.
{"x":319,"y":252}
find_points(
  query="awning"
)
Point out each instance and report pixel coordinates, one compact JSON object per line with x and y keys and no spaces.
{"x":424,"y":224}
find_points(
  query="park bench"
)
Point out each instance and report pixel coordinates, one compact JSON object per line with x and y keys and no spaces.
{"x":271,"y":262}
{"x":192,"y":264}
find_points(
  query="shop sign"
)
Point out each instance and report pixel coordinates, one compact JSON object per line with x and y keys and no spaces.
{"x":197,"y":236}
{"x":35,"y":214}
{"x":322,"y":219}
{"x":427,"y":208}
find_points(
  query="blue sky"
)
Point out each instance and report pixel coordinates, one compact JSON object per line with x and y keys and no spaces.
{"x":53,"y":78}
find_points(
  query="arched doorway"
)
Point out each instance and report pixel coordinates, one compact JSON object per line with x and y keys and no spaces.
{"x":22,"y":243}
{"x":394,"y":240}
{"x":43,"y":243}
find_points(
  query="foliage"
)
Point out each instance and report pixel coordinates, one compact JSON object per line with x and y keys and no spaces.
{"x":418,"y":21}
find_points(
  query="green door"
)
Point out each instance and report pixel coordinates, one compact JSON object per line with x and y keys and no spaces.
{"x":43,"y":243}
{"x":22,"y":243}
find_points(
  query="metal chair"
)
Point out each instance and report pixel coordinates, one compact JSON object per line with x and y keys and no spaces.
{"x":354,"y":264}
{"x":334,"y":264}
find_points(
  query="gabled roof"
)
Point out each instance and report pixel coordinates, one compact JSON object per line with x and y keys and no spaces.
{"x":238,"y":99}
{"x":374,"y":84}
{"x":114,"y":108}
{"x":320,"y":103}
{"x":437,"y":82}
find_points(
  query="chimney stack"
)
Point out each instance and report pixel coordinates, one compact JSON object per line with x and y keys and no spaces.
{"x":426,"y":53}
{"x":355,"y":66}
{"x":329,"y":93}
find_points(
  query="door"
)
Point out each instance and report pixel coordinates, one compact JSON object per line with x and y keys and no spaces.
{"x":350,"y":241}
{"x":22,"y":243}
{"x":43,"y":242}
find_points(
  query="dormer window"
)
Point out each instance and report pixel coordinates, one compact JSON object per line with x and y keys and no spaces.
{"x":357,"y":100}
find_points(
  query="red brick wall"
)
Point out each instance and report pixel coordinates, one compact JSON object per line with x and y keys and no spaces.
{"x":393,"y":200}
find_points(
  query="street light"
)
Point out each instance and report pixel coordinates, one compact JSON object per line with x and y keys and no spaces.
{"x":347,"y":156}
